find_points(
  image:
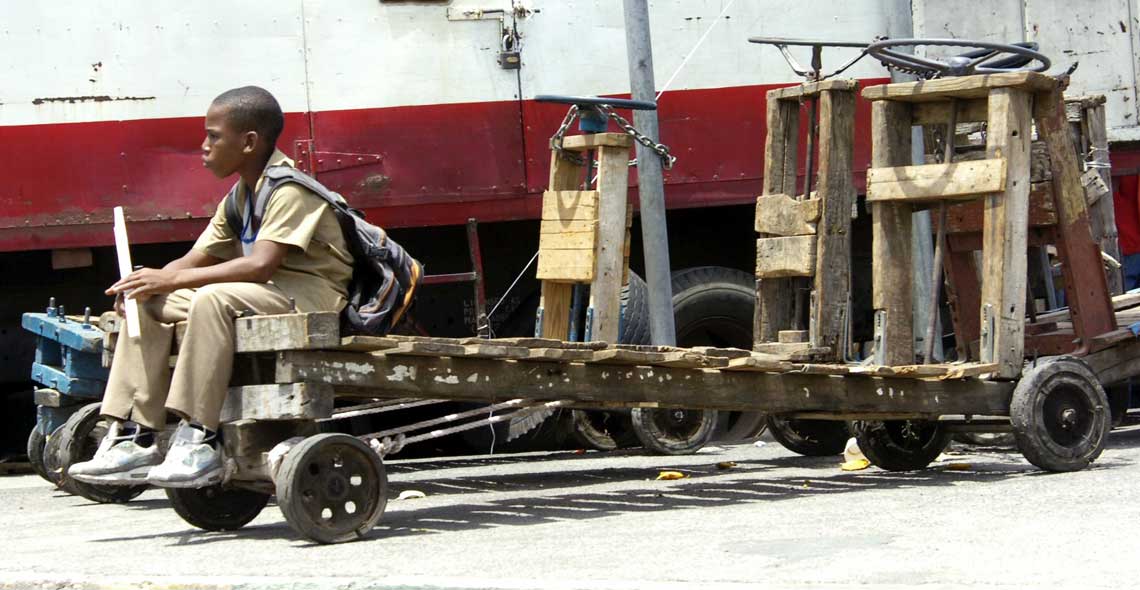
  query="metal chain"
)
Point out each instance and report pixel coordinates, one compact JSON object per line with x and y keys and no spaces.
{"x":556,"y":139}
{"x":662,"y":150}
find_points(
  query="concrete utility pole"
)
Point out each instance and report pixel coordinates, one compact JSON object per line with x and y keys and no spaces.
{"x":650,"y":182}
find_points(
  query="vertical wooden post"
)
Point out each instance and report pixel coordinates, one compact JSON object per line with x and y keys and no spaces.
{"x":837,"y":187}
{"x":1103,"y":209}
{"x":556,"y":297}
{"x":1086,"y":288}
{"x":613,"y":202}
{"x":775,"y":297}
{"x":1005,"y":227}
{"x":891,"y":236}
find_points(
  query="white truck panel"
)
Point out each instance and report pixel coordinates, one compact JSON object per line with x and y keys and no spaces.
{"x":1100,"y":34}
{"x":67,"y":62}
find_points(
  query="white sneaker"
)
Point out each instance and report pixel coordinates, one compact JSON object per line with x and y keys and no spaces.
{"x":119,"y":460}
{"x":191,"y":461}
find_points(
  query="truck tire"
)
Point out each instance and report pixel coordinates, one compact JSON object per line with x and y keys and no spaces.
{"x":714,"y":306}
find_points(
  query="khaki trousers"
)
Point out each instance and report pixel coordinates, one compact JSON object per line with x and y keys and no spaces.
{"x":141,"y":387}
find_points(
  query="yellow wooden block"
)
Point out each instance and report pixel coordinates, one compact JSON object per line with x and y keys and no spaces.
{"x":570,"y":205}
{"x":782,"y":215}
{"x":792,"y":256}
{"x":935,"y":182}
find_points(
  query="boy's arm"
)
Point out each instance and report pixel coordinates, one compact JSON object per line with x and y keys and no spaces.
{"x":258,"y":267}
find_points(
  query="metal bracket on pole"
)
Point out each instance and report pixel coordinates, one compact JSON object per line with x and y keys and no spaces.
{"x":987,"y":335}
{"x":880,"y":336}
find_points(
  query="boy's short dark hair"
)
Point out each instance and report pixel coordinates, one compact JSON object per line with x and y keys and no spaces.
{"x":252,"y":108}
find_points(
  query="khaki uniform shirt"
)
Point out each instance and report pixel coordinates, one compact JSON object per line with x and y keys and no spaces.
{"x":318,"y":266}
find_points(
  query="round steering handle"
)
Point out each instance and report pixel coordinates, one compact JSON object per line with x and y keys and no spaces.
{"x":974,"y":62}
{"x":581,"y":101}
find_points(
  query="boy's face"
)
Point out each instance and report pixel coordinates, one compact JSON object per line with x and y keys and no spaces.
{"x":225,"y":148}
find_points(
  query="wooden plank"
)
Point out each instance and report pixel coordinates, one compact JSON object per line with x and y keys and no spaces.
{"x":564,"y":174}
{"x":791,"y":256}
{"x":581,"y":143}
{"x":968,"y":370}
{"x":730,"y":353}
{"x":758,"y":363}
{"x":1083,"y":267}
{"x":566,"y":265}
{"x":1005,"y":232}
{"x":938,"y":113}
{"x":494,"y":350}
{"x":782,"y":349}
{"x":775,"y":297}
{"x":367,"y":343}
{"x":560,"y":355}
{"x":551,"y":226}
{"x":570,"y":205}
{"x":967,"y":217}
{"x":809,"y":89}
{"x":691,"y":360}
{"x":426,"y":348}
{"x":936,"y":182}
{"x":781,"y":215}
{"x":483,"y":380}
{"x":554,"y":304}
{"x":568,"y":240}
{"x":891,"y":236}
{"x":609,"y":253}
{"x":963,"y":87}
{"x":1102,"y":212}
{"x":289,"y":401}
{"x":792,"y":336}
{"x":832,"y":285}
{"x":618,"y":356}
{"x":291,"y":331}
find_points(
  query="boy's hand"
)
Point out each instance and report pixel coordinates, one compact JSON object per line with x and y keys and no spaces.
{"x":145,"y":282}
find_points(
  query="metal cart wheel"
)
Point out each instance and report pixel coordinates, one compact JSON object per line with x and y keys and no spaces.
{"x":332,"y":488}
{"x":901,"y":445}
{"x":673,"y":431}
{"x":217,"y":508}
{"x":811,"y":438}
{"x":79,"y":438}
{"x":36,"y":443}
{"x":1060,"y":415}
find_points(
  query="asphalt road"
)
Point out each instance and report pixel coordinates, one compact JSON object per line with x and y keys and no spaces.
{"x":977,"y":518}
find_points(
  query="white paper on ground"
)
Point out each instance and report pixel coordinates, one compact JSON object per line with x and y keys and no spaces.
{"x":122,"y":248}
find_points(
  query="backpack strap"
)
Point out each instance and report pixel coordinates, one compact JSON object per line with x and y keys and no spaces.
{"x":281,"y":174}
{"x":233,"y":216}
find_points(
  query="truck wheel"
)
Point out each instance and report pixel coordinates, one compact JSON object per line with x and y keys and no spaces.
{"x":604,"y":430}
{"x":673,"y":431}
{"x":332,"y":488}
{"x":36,"y":443}
{"x":901,"y":445}
{"x":216,"y":508}
{"x":811,"y":438}
{"x":79,"y":439}
{"x":1060,"y":415}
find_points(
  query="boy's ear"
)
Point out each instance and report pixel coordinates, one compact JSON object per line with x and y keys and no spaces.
{"x":249,"y":142}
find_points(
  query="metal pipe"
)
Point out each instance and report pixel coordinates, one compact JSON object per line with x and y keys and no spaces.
{"x":939,"y":247}
{"x":650,"y":179}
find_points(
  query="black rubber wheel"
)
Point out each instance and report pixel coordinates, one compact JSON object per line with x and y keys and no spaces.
{"x":604,"y":430}
{"x":332,"y":488}
{"x":901,"y":445}
{"x":1060,"y":415}
{"x":811,"y":438}
{"x":1119,"y":398}
{"x":36,"y":443}
{"x":79,"y":439}
{"x":217,"y":508}
{"x":673,"y":431}
{"x":52,"y":467}
{"x":714,"y":306}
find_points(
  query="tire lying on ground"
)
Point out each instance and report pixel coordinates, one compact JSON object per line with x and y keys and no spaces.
{"x":811,"y":438}
{"x":36,"y":443}
{"x":79,"y":438}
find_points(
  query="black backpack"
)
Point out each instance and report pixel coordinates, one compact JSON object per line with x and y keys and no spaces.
{"x":384,"y":276}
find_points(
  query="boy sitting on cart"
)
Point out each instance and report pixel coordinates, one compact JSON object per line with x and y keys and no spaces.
{"x":291,"y":256}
